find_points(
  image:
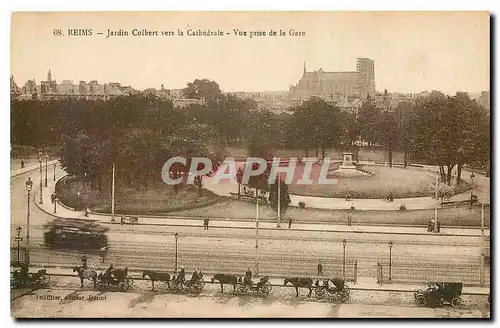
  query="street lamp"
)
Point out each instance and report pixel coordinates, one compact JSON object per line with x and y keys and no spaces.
{"x":41,"y":177}
{"x":54,"y":171}
{"x":472,"y":176}
{"x":344,"y":242}
{"x":29,"y":187}
{"x":18,"y":239}
{"x":390,"y":261}
{"x":46,"y":160}
{"x":55,"y":204}
{"x":176,"y":235}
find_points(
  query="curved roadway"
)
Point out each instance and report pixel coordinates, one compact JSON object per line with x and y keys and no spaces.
{"x":281,"y":252}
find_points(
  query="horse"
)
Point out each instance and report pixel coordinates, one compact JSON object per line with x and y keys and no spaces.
{"x":157,"y":276}
{"x":85,"y":273}
{"x":228,"y":279}
{"x":300,"y":282}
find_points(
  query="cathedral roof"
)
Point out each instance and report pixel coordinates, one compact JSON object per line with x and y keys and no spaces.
{"x":331,"y":76}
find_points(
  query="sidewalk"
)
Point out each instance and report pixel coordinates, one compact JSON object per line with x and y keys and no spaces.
{"x":66,"y":212}
{"x":363,"y":283}
{"x":19,"y":170}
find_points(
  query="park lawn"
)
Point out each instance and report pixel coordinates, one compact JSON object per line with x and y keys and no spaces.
{"x":240,"y":210}
{"x":401,"y":182}
{"x":156,"y":200}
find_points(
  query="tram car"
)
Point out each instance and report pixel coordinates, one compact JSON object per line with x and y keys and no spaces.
{"x":75,"y":234}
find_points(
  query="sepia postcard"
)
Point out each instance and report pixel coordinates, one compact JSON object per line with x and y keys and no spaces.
{"x":250,"y":165}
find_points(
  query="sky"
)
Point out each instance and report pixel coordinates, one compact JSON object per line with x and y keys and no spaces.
{"x":413,"y":51}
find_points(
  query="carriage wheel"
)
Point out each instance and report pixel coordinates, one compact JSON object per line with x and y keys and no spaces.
{"x":320,"y":294}
{"x":343,"y":296}
{"x":44,"y":279}
{"x":242,"y":289}
{"x":456,"y":302}
{"x":421,"y":300}
{"x":122,"y":285}
{"x":129,"y":281}
{"x":266,"y":288}
{"x":101,"y":286}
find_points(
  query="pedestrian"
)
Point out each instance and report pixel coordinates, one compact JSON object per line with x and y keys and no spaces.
{"x":206,"y":223}
{"x":349,"y":220}
{"x":103,"y":252}
{"x":22,"y":164}
{"x":438,"y":226}
{"x":433,"y":224}
{"x":320,"y":269}
{"x":84,"y":262}
{"x":52,"y":198}
{"x":289,"y":223}
{"x":429,"y":225}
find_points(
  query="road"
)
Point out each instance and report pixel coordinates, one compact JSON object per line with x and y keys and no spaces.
{"x":70,"y":301}
{"x":233,"y":250}
{"x":282,"y":252}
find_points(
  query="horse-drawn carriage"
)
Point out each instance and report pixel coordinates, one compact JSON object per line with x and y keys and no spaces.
{"x":115,"y":279}
{"x":189,"y":286}
{"x":262,"y":288}
{"x":21,"y":277}
{"x":129,"y":220}
{"x":338,"y":289}
{"x":439,"y":293}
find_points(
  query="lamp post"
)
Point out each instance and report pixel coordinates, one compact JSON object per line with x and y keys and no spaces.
{"x":472,"y":176}
{"x":176,"y":238}
{"x":390,"y":261}
{"x":18,"y":239}
{"x":41,"y":177}
{"x":46,"y":160}
{"x":256,"y":232}
{"x":55,"y":204}
{"x":29,"y":187}
{"x":344,"y":242}
{"x":54,"y":171}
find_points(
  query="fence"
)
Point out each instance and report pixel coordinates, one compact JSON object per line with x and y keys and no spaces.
{"x":408,"y":272}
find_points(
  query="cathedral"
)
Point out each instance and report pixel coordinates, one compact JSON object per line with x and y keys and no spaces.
{"x":337,"y":85}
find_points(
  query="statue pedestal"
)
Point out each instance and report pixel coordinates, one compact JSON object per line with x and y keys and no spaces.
{"x":347,"y":162}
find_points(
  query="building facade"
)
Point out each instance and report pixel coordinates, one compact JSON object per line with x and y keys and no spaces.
{"x":335,"y":85}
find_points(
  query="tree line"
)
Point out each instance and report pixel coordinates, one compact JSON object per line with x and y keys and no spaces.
{"x":140,"y":132}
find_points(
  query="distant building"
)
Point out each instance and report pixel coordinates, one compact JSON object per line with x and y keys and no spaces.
{"x":14,"y":89}
{"x":49,"y":89}
{"x":484,"y":100}
{"x":181,"y":103}
{"x":331,"y":85}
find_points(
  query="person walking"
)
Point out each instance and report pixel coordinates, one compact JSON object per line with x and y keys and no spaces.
{"x":320,"y":269}
{"x":84,"y":262}
{"x":349,"y":220}
{"x":102,"y":253}
{"x":289,"y":223}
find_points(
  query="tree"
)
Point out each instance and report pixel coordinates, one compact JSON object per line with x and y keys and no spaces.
{"x":368,"y":118}
{"x":387,"y":132}
{"x":318,"y":124}
{"x":452,"y":131}
{"x":202,"y":88}
{"x":264,"y":134}
{"x":444,"y":191}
